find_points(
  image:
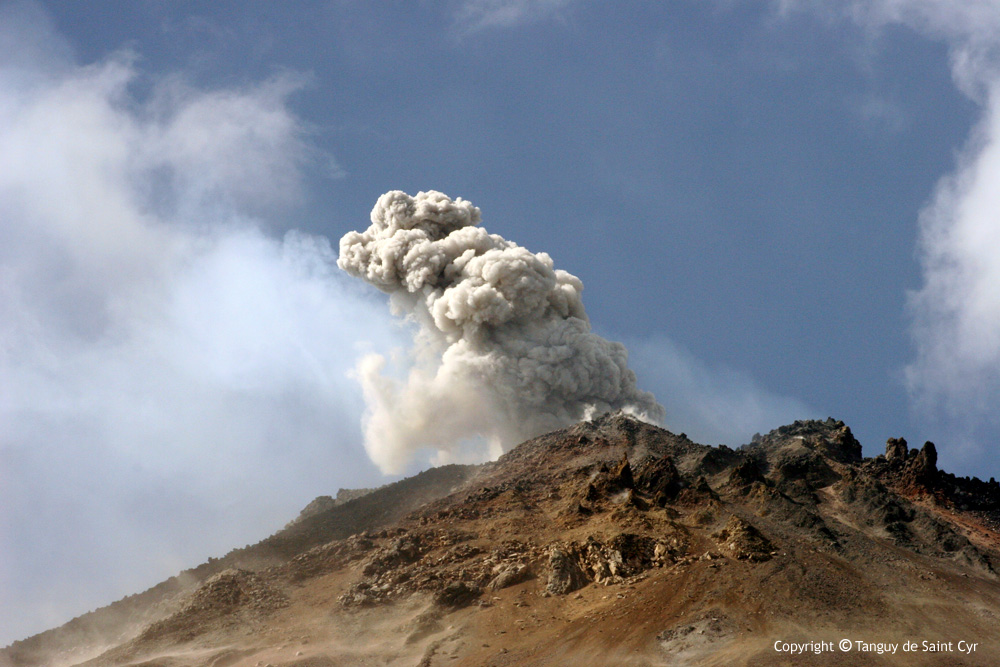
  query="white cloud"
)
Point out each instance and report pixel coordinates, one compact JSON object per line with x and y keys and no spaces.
{"x":970,"y":27}
{"x":174,"y":377}
{"x":956,"y":312}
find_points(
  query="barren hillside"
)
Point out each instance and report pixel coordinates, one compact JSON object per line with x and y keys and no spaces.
{"x":609,"y":542}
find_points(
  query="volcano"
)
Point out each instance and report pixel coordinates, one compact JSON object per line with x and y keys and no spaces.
{"x":611,"y":542}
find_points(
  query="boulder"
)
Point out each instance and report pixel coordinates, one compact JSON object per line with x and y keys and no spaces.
{"x":565,"y":575}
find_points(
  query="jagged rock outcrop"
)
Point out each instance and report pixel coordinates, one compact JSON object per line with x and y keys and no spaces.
{"x":896,"y":450}
{"x":658,"y":477}
{"x":509,"y":575}
{"x":925,"y":463}
{"x":401,"y":551}
{"x":623,"y":474}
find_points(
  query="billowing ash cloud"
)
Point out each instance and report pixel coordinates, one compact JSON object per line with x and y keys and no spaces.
{"x":504,"y":349}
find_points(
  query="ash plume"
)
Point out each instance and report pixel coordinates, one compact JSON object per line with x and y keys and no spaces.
{"x":503,"y":349}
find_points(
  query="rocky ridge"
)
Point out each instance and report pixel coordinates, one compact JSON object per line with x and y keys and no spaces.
{"x":608,"y":542}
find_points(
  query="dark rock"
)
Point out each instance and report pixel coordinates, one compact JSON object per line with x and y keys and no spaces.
{"x":896,"y":449}
{"x":401,"y":551}
{"x":717,"y":459}
{"x":233,"y":596}
{"x":830,"y":439}
{"x":925,"y":463}
{"x":455,"y":595}
{"x":633,"y":499}
{"x":627,"y":555}
{"x":659,"y":478}
{"x":811,"y":468}
{"x":623,"y":475}
{"x":318,"y":504}
{"x":840,"y":444}
{"x":745,"y":474}
{"x":698,"y":493}
{"x":609,"y":483}
{"x":637,"y":551}
{"x":702,"y":487}
{"x":329,"y":557}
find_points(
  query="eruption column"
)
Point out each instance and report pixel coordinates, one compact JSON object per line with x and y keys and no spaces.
{"x":503,"y":350}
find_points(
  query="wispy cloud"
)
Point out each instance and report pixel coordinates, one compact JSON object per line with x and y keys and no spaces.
{"x":475,"y":15}
{"x":711,"y":404}
{"x":971,"y":29}
{"x":880,"y":113}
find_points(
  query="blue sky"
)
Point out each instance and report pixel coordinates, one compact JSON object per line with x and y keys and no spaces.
{"x":784,"y":210}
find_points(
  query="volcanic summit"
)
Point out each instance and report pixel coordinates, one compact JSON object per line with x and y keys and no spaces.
{"x":610,"y":542}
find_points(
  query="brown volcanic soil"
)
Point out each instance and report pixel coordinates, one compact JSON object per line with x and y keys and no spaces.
{"x":612,"y":542}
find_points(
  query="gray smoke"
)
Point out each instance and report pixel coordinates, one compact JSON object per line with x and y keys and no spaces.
{"x":503,"y":347}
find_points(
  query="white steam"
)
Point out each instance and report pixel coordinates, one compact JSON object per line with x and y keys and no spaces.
{"x":173,"y":376}
{"x":504,"y":350}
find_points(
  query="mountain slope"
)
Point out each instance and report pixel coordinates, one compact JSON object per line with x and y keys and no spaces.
{"x":609,"y":542}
